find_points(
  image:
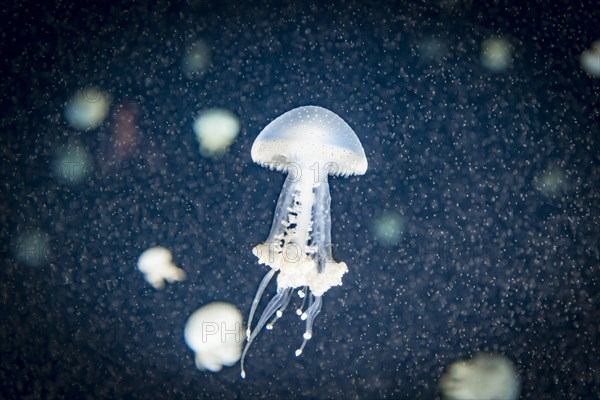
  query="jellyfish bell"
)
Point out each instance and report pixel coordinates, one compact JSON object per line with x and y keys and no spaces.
{"x":214,"y":332}
{"x":196,"y":59}
{"x":308,"y":143}
{"x":496,"y":54}
{"x":483,"y":377}
{"x":156,"y":264}
{"x":590,"y":60}
{"x":216,"y":129}
{"x":88,"y":108}
{"x":308,"y":135}
{"x":72,"y":163}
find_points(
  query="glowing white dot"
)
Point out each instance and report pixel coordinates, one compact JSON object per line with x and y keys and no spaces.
{"x":298,"y":352}
{"x":307,"y":335}
{"x":299,"y":312}
{"x":304,"y":316}
{"x":279,"y":314}
{"x":301,"y":293}
{"x":269,"y":327}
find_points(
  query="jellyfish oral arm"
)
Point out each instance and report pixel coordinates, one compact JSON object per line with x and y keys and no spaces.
{"x":276,"y":303}
{"x":299,"y":249}
{"x":299,"y":244}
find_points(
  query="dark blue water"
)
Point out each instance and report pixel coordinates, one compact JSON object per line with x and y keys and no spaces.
{"x":487,"y":261}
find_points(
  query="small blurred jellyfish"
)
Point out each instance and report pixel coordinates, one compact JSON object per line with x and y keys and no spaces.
{"x":196,"y":59}
{"x":496,"y":54}
{"x":388,"y":228}
{"x":215,"y":334}
{"x":32,"y":248}
{"x":551,"y":182}
{"x":484,"y":377}
{"x":157,"y":266}
{"x":432,"y":49}
{"x":88,"y":108}
{"x":216,"y":129}
{"x":590,"y":60}
{"x":72,"y":163}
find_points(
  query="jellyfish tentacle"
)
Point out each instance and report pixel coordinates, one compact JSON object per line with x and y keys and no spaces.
{"x":261,"y":289}
{"x":304,"y":204}
{"x":311,"y":299}
{"x":321,"y":232}
{"x":302,"y":293}
{"x":285,"y":201}
{"x":312,"y":312}
{"x":279,"y":312}
{"x":276,"y":302}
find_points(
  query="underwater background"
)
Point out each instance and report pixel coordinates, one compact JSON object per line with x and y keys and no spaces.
{"x":475,"y":229}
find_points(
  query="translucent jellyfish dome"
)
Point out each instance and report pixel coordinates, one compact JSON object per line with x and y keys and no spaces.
{"x":308,"y":135}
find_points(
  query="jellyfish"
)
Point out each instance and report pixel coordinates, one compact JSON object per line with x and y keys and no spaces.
{"x":196,"y":59}
{"x":214,"y":332}
{"x":216,"y":129}
{"x":484,"y":377}
{"x":88,"y":108}
{"x":496,"y":54}
{"x":590,"y":60}
{"x":72,"y":163}
{"x":157,"y":266}
{"x":388,"y":228}
{"x":308,"y":143}
{"x":33,"y":248}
